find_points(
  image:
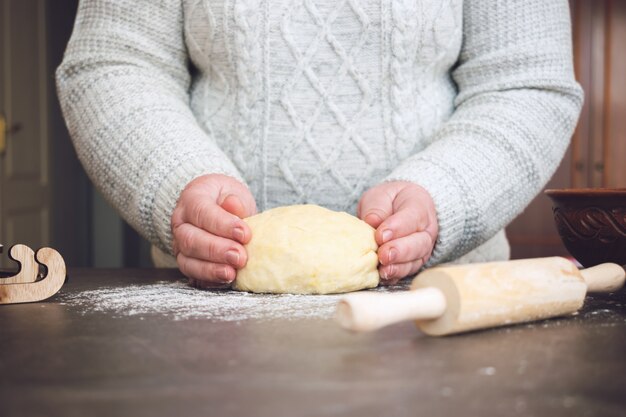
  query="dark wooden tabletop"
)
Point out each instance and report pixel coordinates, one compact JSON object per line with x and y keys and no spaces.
{"x":70,"y":356}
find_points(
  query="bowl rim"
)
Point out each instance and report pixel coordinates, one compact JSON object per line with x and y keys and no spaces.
{"x":596,"y":192}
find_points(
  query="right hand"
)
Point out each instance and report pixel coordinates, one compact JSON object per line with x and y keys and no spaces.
{"x":208,"y":230}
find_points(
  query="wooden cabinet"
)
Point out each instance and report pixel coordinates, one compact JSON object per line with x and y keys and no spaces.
{"x":24,"y":167}
{"x":597,"y":154}
{"x":44,"y":192}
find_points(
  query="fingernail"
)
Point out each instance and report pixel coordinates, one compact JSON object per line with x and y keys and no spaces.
{"x":238,"y":234}
{"x":232,"y":257}
{"x":387,"y":272}
{"x":383,"y":274}
{"x":393,"y":254}
{"x":223,"y":274}
{"x":372,"y":218}
{"x":386,"y":234}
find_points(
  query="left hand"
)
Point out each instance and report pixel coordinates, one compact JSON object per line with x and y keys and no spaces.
{"x":405,"y":220}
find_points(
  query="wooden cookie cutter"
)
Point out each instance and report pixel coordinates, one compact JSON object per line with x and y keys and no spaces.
{"x":28,"y":285}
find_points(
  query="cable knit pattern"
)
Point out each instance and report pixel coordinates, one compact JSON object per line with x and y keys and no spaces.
{"x":404,"y":43}
{"x":313,"y":101}
{"x":325,"y":94}
{"x":251,"y":96}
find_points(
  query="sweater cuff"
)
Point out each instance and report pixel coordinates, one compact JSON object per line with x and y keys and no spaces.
{"x":446,"y":193}
{"x":169,"y":189}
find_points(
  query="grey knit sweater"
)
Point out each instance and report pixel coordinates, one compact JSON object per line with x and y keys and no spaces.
{"x":317,"y":100}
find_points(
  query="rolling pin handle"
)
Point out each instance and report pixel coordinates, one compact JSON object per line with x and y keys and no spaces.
{"x":365,"y":311}
{"x":606,"y":277}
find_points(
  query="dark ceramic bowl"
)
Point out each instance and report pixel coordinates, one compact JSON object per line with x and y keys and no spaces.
{"x":592,"y":223}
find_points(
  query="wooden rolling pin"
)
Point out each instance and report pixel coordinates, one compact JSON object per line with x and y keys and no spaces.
{"x":459,"y":298}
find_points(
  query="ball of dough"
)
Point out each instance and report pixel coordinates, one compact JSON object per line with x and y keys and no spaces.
{"x":307,"y":249}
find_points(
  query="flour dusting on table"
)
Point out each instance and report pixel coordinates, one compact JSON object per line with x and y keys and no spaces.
{"x":180,"y":301}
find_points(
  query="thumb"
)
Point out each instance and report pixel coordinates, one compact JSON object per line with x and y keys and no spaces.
{"x":234,"y":205}
{"x":375,"y":206}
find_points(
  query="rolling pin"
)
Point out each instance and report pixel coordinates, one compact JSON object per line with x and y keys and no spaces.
{"x":459,"y":298}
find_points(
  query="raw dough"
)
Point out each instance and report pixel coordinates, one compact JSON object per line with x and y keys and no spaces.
{"x":307,"y":249}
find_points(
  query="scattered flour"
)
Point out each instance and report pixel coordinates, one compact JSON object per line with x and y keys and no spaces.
{"x":487,"y":371}
{"x":180,"y":301}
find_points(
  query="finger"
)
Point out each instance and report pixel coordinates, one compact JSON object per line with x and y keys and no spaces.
{"x":391,"y":274}
{"x":406,"y":220}
{"x":406,"y":249}
{"x":214,"y":219}
{"x":411,"y":210}
{"x":374,"y":207}
{"x":197,"y":243}
{"x":205,"y":271}
{"x":196,"y":283}
{"x":235,"y":205}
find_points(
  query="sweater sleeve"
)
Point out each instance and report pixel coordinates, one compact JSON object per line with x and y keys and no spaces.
{"x":516,"y":109}
{"x":123,"y":88}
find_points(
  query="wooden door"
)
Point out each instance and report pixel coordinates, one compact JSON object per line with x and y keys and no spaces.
{"x":599,"y":145}
{"x":24,"y":86}
{"x":598,"y":149}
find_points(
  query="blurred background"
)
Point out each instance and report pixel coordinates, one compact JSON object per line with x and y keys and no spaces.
{"x":47,"y":200}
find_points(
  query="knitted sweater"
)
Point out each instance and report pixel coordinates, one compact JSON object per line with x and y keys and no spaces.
{"x":314,"y":101}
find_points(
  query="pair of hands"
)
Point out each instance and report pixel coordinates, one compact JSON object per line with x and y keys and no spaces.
{"x":209,"y":232}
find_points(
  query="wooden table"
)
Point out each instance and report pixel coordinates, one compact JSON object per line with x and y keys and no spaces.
{"x":60,"y":358}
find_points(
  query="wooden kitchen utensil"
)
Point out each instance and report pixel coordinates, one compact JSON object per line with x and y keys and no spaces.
{"x":26,"y":285}
{"x":459,"y":298}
